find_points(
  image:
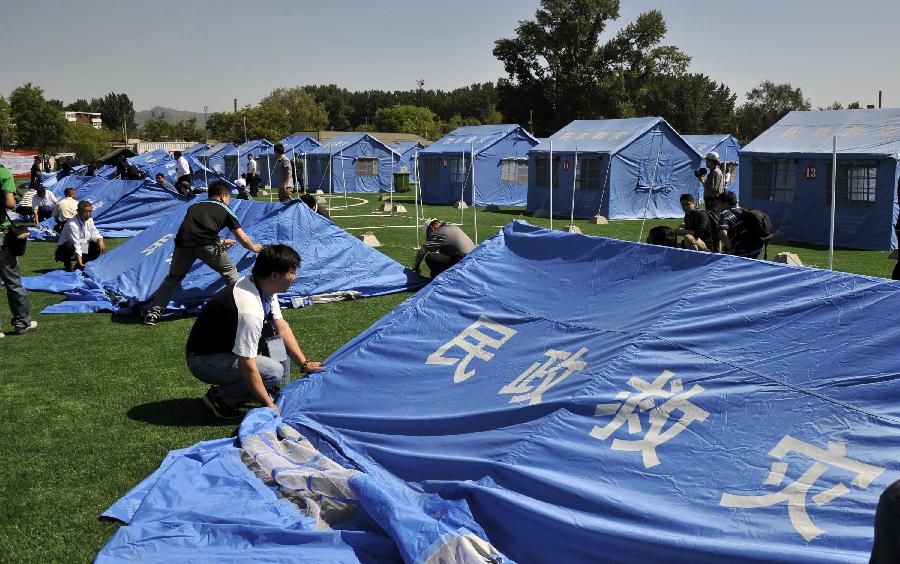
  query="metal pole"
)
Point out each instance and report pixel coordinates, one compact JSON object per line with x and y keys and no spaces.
{"x":574,"y":178}
{"x":833,"y":201}
{"x":330,"y":174}
{"x":462,"y":190}
{"x":391,"y":194}
{"x":305,"y":174}
{"x":474,"y":205}
{"x":343,"y":177}
{"x":649,"y":193}
{"x":550,"y":169}
{"x":416,"y":193}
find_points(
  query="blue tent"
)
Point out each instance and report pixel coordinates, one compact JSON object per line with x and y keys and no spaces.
{"x":786,"y":172}
{"x":627,"y":168}
{"x":196,"y":149}
{"x":501,"y":166}
{"x":728,"y":148}
{"x":295,"y":148}
{"x":360,"y":163}
{"x":214,"y":157}
{"x":407,"y":151}
{"x":236,"y":158}
{"x":333,"y":261}
{"x":676,"y":407}
{"x":202,"y":176}
{"x":157,"y":161}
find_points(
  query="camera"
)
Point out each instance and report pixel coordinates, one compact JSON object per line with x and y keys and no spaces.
{"x":700,"y":172}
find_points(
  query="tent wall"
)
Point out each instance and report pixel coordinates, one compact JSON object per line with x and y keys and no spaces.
{"x":345,"y":159}
{"x":235,"y":161}
{"x":806,"y":217}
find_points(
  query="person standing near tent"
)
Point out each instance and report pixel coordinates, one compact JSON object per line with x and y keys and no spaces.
{"x":35,"y":173}
{"x":198,"y":238}
{"x":281,"y":175}
{"x":445,"y":245}
{"x":10,"y":275}
{"x":182,"y":169}
{"x":240,"y":344}
{"x":252,"y":175}
{"x":80,"y":240}
{"x":713,"y":181}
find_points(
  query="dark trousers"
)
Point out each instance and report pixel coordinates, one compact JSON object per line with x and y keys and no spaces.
{"x":184,"y":178}
{"x":896,"y":274}
{"x":886,"y":547}
{"x":15,"y":293}
{"x":253,"y":184}
{"x":65,"y":253}
{"x":438,"y":263}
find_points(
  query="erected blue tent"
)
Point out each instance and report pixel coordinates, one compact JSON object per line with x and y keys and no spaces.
{"x":627,"y":169}
{"x":196,"y":149}
{"x":333,"y":261}
{"x":295,"y":148}
{"x":501,"y":166}
{"x":675,"y":406}
{"x":407,"y":151}
{"x":353,"y":162}
{"x":786,"y":172}
{"x":236,"y":158}
{"x":214,"y":157}
{"x":202,"y":176}
{"x":728,"y":148}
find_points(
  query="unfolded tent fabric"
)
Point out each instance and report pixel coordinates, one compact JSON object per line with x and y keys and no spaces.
{"x":333,"y":260}
{"x":122,"y":208}
{"x":501,"y":166}
{"x":728,"y":148}
{"x":295,"y":147}
{"x":786,"y":173}
{"x":622,"y":403}
{"x":236,"y":158}
{"x":353,"y":162}
{"x":627,"y":169}
{"x":157,"y":161}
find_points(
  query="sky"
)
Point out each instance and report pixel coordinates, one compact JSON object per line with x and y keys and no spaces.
{"x":187,"y":55}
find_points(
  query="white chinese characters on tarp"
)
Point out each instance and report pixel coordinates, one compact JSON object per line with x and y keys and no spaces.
{"x":795,"y":493}
{"x":157,"y":244}
{"x":633,"y":404}
{"x":473,"y":340}
{"x":547,"y":372}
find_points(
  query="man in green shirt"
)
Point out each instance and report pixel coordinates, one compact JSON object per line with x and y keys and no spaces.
{"x":9,"y":264}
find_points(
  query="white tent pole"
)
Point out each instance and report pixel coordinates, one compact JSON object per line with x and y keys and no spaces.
{"x":833,"y":201}
{"x":649,"y":193}
{"x":330,"y":174}
{"x":343,"y":178}
{"x":462,"y":190}
{"x":237,"y":173}
{"x":550,"y":169}
{"x":205,"y":177}
{"x":305,"y":174}
{"x":574,"y":178}
{"x":416,"y":193}
{"x":474,"y":205}
{"x":391,"y":194}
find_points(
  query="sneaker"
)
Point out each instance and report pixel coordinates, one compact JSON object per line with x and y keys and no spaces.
{"x":214,"y":401}
{"x":2,"y":336}
{"x":151,"y":318}
{"x":26,"y":330}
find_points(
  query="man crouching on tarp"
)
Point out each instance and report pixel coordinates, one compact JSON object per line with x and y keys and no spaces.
{"x":445,"y":245}
{"x":241,"y":344}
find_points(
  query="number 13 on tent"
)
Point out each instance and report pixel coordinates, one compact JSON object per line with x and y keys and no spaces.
{"x":530,"y":385}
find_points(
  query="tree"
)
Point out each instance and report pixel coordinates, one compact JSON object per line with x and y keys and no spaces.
{"x":691,"y":103}
{"x":224,"y":126}
{"x":559,"y":70}
{"x":838,"y":106}
{"x":336,"y":101}
{"x":7,"y":132}
{"x":39,"y":125}
{"x":157,"y":129}
{"x":267,"y":121}
{"x":87,"y":142}
{"x":116,"y":111}
{"x":766,"y":104}
{"x":302,"y":111}
{"x":187,"y":130}
{"x":80,"y":105}
{"x":404,"y":118}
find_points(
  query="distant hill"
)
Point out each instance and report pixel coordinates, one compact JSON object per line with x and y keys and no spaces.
{"x":172,"y":115}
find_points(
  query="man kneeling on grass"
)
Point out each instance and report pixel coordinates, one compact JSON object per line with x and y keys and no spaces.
{"x":241,"y":344}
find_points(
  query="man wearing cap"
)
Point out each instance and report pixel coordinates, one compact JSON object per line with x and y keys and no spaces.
{"x":445,"y":245}
{"x":713,"y":181}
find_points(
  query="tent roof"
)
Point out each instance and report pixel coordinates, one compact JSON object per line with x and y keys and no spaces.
{"x":344,"y":141}
{"x":108,"y":157}
{"x":863,"y":132}
{"x":216,"y":149}
{"x":706,"y":143}
{"x":461,"y":139}
{"x":601,"y":136}
{"x":251,"y":145}
{"x":406,"y":146}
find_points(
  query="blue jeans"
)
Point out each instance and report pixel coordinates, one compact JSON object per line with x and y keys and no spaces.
{"x":15,"y":293}
{"x":222,"y":370}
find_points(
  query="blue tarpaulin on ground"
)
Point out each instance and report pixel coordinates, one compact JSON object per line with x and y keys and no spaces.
{"x":618,"y":403}
{"x":501,"y":166}
{"x":786,"y":172}
{"x":626,"y":169}
{"x":352,"y":162}
{"x":333,"y":260}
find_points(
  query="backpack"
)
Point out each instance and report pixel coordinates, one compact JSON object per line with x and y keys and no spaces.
{"x":713,"y":227}
{"x":759,"y":228}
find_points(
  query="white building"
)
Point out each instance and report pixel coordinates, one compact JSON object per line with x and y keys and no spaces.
{"x":90,"y":118}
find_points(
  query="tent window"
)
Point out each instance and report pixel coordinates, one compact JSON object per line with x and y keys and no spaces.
{"x":542,"y":172}
{"x":514,"y":171}
{"x":587,"y":174}
{"x":856,"y":181}
{"x":366,"y":166}
{"x":773,"y":180}
{"x":457,"y":171}
{"x":432,"y":168}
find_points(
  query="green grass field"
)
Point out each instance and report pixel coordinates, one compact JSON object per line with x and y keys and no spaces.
{"x":93,"y":403}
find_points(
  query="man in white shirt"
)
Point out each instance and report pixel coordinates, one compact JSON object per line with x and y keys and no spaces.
{"x":43,"y":204}
{"x":252,"y":175}
{"x":80,"y":241}
{"x":66,"y":209}
{"x":182,"y":169}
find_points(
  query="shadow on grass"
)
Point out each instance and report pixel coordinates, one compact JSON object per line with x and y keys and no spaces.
{"x":176,"y":412}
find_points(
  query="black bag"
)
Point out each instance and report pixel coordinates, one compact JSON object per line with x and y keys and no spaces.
{"x":759,"y":228}
{"x":15,"y":240}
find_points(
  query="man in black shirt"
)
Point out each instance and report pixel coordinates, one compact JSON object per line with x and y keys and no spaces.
{"x":240,"y":343}
{"x":35,"y":173}
{"x":697,"y":230}
{"x":198,"y":238}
